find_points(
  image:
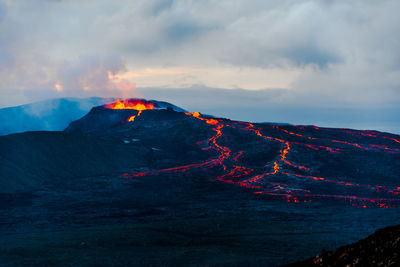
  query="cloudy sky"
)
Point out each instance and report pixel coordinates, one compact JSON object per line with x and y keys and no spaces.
{"x":288,"y":55}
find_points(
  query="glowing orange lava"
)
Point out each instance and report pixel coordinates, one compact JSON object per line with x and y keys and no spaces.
{"x":132,"y":118}
{"x":198,"y":116}
{"x":138,"y":105}
{"x":131,"y":104}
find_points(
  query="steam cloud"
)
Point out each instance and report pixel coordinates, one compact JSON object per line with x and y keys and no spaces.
{"x":87,"y":76}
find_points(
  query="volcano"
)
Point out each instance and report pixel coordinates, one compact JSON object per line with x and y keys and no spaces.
{"x":142,"y":178}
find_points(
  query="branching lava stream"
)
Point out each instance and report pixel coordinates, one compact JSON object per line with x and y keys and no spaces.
{"x":283,"y":177}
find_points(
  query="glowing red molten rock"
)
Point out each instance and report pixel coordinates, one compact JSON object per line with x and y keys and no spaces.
{"x":131,"y":104}
{"x":135,"y":104}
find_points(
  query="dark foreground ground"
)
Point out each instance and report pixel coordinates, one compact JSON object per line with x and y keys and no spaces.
{"x":207,"y":225}
{"x":380,"y":249}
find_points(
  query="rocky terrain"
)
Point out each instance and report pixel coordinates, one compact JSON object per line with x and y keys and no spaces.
{"x":380,"y":249}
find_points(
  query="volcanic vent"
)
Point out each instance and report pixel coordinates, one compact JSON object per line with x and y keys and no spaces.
{"x":109,"y":115}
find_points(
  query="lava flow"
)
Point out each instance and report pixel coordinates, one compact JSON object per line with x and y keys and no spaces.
{"x":295,"y":170}
{"x":138,"y":105}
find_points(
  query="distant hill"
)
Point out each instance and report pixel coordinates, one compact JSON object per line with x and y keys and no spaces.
{"x":50,"y":115}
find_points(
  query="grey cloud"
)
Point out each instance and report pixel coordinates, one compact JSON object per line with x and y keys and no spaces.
{"x":5,"y":59}
{"x":269,"y":34}
{"x":180,"y":31}
{"x":161,"y":5}
{"x":304,"y":55}
{"x":243,"y":33}
{"x":2,"y":11}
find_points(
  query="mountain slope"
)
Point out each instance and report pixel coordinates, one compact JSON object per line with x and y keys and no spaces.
{"x":299,"y":162}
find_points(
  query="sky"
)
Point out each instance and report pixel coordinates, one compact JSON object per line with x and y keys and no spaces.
{"x":301,"y":58}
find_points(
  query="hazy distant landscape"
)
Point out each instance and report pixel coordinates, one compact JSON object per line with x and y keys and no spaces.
{"x":262,"y":106}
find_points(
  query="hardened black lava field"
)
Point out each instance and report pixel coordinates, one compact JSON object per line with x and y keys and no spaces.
{"x":134,"y":183}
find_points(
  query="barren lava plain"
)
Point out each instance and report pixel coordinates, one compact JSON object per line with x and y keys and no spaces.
{"x":134,"y":183}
